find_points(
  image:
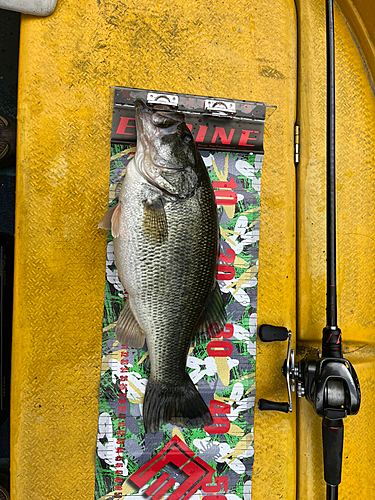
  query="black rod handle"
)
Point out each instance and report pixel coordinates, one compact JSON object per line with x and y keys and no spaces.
{"x":269,"y":333}
{"x":265,"y":405}
{"x":333,"y":439}
{"x":332,"y":492}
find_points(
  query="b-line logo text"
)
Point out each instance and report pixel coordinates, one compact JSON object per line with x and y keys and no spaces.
{"x":193,"y":473}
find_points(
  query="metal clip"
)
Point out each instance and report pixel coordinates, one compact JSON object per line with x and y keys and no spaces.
{"x":220,"y":108}
{"x":164,"y":99}
{"x":296,"y":144}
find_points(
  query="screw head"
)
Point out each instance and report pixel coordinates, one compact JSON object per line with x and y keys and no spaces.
{"x":300,"y":390}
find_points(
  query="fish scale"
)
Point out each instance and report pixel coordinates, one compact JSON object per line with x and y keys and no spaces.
{"x":169,"y":292}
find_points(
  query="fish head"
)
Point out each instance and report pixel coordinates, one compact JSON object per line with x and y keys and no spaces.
{"x":166,"y":153}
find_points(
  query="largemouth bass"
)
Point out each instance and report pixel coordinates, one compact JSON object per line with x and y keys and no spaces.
{"x":165,"y":231}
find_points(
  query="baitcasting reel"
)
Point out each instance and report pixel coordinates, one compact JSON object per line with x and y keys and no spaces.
{"x":332,"y":387}
{"x":330,"y":384}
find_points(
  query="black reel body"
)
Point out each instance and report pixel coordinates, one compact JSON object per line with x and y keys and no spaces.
{"x":330,"y":384}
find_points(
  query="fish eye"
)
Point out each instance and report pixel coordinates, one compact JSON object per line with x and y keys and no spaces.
{"x":187,"y":138}
{"x":162,"y":120}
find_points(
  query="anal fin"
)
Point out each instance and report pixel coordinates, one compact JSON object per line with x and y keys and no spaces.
{"x":213,"y":317}
{"x":128,"y":331}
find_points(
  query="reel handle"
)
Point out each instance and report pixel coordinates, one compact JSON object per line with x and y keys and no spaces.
{"x":265,"y":405}
{"x":269,"y":333}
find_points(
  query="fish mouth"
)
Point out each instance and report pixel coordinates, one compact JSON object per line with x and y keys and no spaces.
{"x":142,"y":113}
{"x":141,"y":106}
{"x":160,"y":116}
{"x":159,"y":124}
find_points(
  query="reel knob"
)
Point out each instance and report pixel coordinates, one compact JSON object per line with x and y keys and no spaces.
{"x":269,"y":333}
{"x":265,"y":405}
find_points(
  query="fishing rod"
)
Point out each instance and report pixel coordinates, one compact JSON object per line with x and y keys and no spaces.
{"x":326,"y":379}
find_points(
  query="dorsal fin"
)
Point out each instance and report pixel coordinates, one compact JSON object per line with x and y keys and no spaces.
{"x":115,"y":221}
{"x":111,"y":220}
{"x":105,"y":223}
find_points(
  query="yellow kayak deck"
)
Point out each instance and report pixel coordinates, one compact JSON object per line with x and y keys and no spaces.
{"x":240,"y":50}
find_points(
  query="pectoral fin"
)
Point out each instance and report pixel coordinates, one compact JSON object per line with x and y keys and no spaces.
{"x":213,"y":317}
{"x":111,"y":220}
{"x":154,"y":224}
{"x":128,"y":331}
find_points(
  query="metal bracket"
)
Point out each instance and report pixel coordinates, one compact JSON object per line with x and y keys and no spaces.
{"x":164,"y":99}
{"x":220,"y":108}
{"x":216,"y":123}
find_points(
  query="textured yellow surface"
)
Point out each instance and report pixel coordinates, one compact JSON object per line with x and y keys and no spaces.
{"x":241,"y":50}
{"x":355,"y":137}
{"x":355,"y":180}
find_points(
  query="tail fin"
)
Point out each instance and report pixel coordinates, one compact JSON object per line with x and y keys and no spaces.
{"x":179,"y":405}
